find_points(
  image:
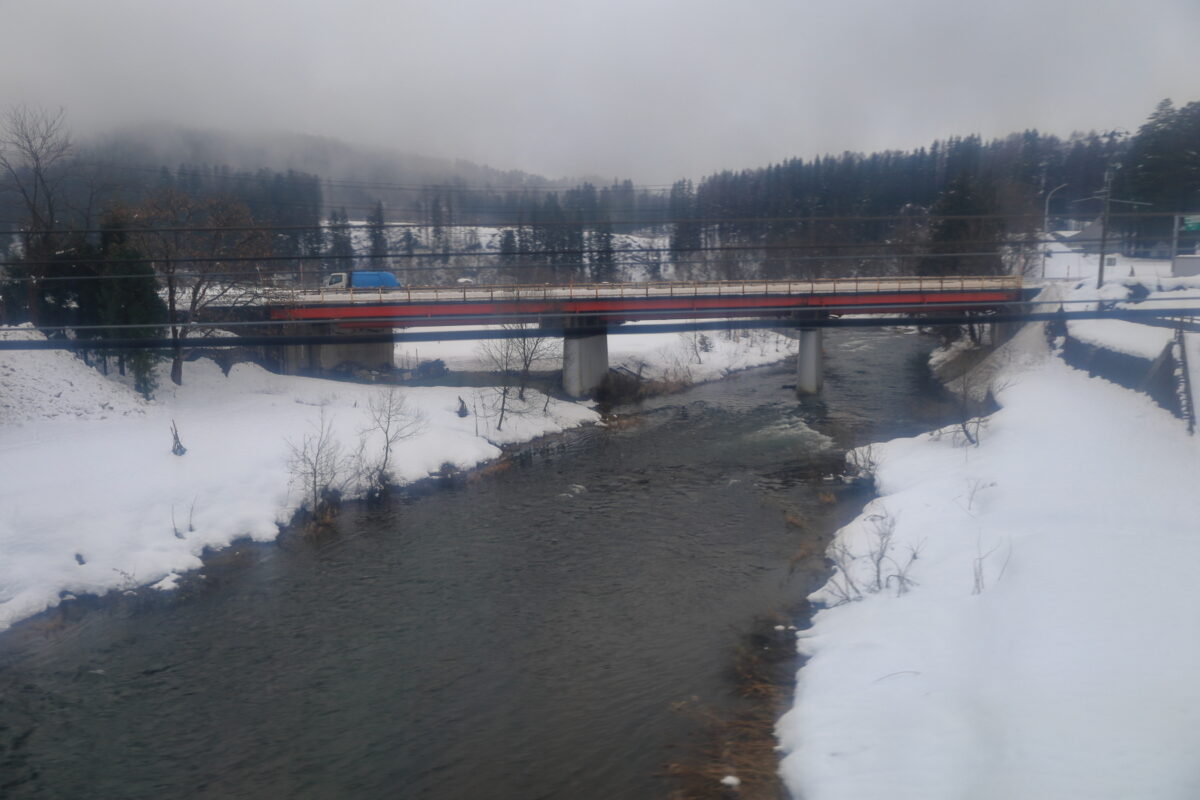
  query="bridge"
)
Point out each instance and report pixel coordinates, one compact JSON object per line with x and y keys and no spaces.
{"x":586,"y":312}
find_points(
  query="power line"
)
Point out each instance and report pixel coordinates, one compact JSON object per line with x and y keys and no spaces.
{"x":464,"y":268}
{"x":516,"y":316}
{"x":712,"y":221}
{"x":1176,"y":317}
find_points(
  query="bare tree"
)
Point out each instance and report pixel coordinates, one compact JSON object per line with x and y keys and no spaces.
{"x":513,"y":359}
{"x":35,"y":150}
{"x":531,"y":350}
{"x":392,"y":420}
{"x":502,"y":357}
{"x":318,"y":466}
{"x":208,"y":273}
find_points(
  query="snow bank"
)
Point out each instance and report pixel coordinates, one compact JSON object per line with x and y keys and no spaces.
{"x":1044,"y":643}
{"x":92,"y":498}
{"x":682,"y":356}
{"x":49,"y":384}
{"x":697,"y":356}
{"x":1130,"y":338}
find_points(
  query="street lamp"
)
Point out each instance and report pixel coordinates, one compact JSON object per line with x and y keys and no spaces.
{"x":1046,"y":215}
{"x":1046,"y":225}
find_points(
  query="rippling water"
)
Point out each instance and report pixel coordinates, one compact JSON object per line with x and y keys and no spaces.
{"x":519,"y":636}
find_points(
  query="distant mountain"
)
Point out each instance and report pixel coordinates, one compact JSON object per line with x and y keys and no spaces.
{"x":337,"y":162}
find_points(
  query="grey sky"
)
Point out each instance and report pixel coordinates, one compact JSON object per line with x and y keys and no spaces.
{"x":648,"y":89}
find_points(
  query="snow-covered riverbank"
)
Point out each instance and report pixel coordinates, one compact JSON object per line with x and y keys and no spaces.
{"x":1044,"y":642}
{"x":92,"y":498}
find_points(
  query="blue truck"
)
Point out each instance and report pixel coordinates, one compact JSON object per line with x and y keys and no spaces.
{"x":361,"y":279}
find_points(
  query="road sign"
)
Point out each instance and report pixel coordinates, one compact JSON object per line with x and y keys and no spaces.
{"x":1191,"y":223}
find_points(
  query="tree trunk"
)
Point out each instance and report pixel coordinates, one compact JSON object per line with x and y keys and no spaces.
{"x":176,"y":359}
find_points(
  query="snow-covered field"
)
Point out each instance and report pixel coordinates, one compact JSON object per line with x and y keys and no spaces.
{"x":659,"y":356}
{"x":92,"y":498}
{"x":1044,"y":642}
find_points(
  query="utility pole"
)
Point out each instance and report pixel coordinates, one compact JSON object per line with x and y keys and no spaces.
{"x":1174,"y":240}
{"x":1106,"y":196}
{"x":1108,"y":176}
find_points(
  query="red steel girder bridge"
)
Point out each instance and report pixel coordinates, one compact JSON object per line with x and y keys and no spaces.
{"x":586,"y":313}
{"x":604,"y":304}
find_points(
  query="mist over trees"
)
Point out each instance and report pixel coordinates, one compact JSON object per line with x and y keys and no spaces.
{"x":305,"y":207}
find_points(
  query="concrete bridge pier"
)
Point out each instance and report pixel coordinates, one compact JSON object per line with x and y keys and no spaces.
{"x":810,"y":362}
{"x":309,"y":358}
{"x":585,"y":359}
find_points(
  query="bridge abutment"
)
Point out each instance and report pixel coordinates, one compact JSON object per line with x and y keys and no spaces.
{"x":585,"y":359}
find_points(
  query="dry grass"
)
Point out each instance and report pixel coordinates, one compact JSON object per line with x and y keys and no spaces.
{"x":622,"y":422}
{"x":618,"y":389}
{"x":741,"y":742}
{"x":503,"y":464}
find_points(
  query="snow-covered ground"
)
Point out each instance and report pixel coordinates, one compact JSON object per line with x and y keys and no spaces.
{"x":1131,"y":338}
{"x":92,"y":498}
{"x":659,"y":356}
{"x":481,"y":244}
{"x":1044,"y":642}
{"x":1064,"y":262}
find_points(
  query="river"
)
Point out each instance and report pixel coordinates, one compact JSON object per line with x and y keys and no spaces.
{"x":522,"y":635}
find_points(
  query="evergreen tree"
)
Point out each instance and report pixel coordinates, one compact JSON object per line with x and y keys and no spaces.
{"x":378,"y":234}
{"x":124,"y":292}
{"x":604,"y":267}
{"x":341,"y":245}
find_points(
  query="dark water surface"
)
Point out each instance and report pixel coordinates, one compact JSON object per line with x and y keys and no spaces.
{"x":519,"y":636}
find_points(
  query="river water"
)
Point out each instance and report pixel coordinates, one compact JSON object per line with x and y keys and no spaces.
{"x":522,"y":635}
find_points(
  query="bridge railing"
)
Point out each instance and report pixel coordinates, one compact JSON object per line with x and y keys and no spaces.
{"x":580,"y":291}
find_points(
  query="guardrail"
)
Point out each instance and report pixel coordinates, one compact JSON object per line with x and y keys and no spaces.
{"x":517,"y":292}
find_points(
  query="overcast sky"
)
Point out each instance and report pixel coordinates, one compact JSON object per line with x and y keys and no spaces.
{"x":647,"y":89}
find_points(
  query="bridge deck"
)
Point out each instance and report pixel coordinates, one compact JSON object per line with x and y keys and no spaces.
{"x":629,"y":301}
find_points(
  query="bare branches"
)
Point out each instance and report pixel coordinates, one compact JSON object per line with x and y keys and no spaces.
{"x":34,"y":146}
{"x":513,"y":360}
{"x":318,"y":466}
{"x":857,"y":575}
{"x":208,"y":287}
{"x":391,"y":421}
{"x":34,"y":151}
{"x":517,"y":356}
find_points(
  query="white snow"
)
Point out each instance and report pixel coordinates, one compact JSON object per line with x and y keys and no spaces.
{"x":92,"y":499}
{"x":697,"y":356}
{"x":1048,"y":638}
{"x":1065,"y":262}
{"x":1142,"y":341}
{"x":1131,"y":338}
{"x":656,"y":355}
{"x":90,"y":477}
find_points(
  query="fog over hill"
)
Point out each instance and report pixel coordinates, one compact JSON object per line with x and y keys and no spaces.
{"x":143,"y":149}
